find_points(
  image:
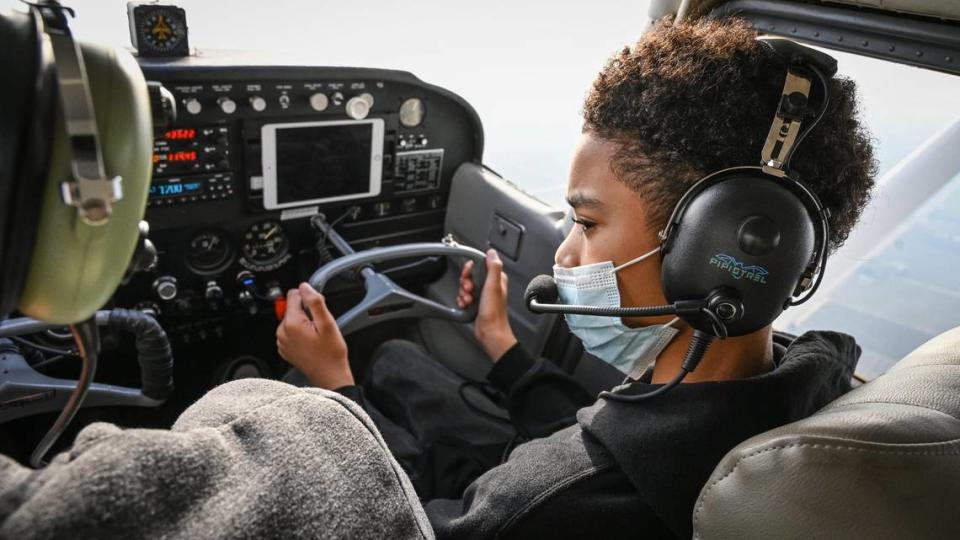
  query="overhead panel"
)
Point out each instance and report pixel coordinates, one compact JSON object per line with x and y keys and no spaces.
{"x":941,"y":9}
{"x":927,"y":43}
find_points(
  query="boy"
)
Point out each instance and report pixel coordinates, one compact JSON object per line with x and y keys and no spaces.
{"x":686,"y":100}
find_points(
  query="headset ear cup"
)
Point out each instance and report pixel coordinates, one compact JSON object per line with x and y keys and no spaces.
{"x":743,"y":231}
{"x":75,"y":267}
{"x":26,"y":122}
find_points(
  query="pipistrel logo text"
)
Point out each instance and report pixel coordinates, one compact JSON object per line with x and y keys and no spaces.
{"x":738,"y":270}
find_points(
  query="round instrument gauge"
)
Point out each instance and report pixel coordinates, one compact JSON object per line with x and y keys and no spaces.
{"x":161,"y":30}
{"x":412,"y":112}
{"x":265,"y":244}
{"x":209,"y":252}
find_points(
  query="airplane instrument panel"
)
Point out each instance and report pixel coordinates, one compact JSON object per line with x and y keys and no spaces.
{"x":257,"y":151}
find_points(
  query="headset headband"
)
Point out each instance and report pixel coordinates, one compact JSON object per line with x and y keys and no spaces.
{"x":785,"y":128}
{"x":90,"y":189}
{"x":803,"y":65}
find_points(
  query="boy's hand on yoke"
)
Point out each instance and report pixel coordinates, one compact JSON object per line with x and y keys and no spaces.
{"x":315,"y":347}
{"x":492,"y":327}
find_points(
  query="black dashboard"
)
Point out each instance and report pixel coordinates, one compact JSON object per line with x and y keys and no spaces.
{"x":223,"y":256}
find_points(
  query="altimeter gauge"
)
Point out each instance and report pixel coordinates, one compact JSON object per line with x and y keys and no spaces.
{"x":265,"y":246}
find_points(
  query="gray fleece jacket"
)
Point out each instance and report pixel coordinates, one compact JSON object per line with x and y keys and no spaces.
{"x":251,"y":459}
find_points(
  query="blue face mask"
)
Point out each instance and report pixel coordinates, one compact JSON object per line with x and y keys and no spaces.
{"x":628,"y":349}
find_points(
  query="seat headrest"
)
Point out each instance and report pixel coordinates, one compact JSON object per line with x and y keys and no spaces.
{"x":882,"y":461}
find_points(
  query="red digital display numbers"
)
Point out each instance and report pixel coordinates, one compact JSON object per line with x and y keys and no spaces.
{"x":176,"y":157}
{"x":182,"y":156}
{"x":180,"y":134}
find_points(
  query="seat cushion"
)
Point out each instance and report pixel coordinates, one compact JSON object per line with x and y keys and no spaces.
{"x":882,"y":461}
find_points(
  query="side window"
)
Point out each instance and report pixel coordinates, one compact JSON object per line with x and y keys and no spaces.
{"x":905,"y":293}
{"x":902,"y":287}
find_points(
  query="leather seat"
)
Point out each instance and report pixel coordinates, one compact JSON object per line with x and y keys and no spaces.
{"x":882,"y":461}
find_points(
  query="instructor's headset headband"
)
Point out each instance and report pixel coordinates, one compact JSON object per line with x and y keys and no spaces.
{"x":744,"y":243}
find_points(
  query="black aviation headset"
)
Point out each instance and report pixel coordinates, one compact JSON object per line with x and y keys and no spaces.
{"x":754,"y":238}
{"x":743,"y":243}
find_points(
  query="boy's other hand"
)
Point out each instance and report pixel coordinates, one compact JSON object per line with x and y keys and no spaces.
{"x":315,"y":347}
{"x":491,"y":327}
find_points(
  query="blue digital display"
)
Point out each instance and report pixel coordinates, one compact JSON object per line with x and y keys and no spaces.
{"x":175,"y":189}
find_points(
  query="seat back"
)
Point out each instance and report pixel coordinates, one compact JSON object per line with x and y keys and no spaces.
{"x":882,"y":461}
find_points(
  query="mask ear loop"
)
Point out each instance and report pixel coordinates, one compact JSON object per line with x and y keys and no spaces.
{"x":636,"y":260}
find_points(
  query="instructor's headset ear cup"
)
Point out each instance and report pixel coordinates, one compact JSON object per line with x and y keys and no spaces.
{"x":26,"y":122}
{"x":744,"y":231}
{"x":73,"y":268}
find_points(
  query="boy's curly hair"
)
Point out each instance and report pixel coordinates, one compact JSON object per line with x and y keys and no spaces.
{"x":692,"y":98}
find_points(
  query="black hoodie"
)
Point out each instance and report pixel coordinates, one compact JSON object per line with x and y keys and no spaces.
{"x":635,"y":469}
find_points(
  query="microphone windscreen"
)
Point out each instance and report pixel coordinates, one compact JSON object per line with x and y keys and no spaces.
{"x":543,"y":288}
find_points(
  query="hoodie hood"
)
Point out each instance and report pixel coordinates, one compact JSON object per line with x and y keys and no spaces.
{"x":669,"y":446}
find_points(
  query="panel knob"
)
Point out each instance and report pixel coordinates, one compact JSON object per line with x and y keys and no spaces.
{"x":227,"y":105}
{"x":213,"y":291}
{"x":274,"y":291}
{"x":319,"y":102}
{"x":358,"y":108}
{"x":412,"y":112}
{"x":258,"y":103}
{"x":165,"y":288}
{"x":248,"y":302}
{"x":193,"y":106}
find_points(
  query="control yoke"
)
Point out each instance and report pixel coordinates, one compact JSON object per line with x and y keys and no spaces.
{"x":384,"y":299}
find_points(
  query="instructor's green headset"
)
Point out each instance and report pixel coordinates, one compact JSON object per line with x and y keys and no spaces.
{"x":75,"y":148}
{"x":76,"y":137}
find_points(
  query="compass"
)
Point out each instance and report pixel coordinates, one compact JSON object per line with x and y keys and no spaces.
{"x":158,"y":29}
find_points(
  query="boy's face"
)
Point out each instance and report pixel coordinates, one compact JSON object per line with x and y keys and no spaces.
{"x":613,"y":227}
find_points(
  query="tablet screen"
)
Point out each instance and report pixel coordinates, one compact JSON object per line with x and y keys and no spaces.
{"x":316,"y":162}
